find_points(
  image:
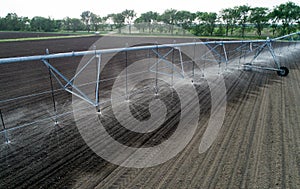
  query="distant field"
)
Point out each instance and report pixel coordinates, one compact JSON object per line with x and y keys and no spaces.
{"x":16,"y":35}
{"x":25,"y":36}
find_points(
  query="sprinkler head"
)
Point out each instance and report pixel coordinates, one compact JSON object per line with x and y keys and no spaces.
{"x":99,"y":112}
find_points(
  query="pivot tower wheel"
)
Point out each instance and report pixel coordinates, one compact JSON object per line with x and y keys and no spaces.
{"x":284,"y":71}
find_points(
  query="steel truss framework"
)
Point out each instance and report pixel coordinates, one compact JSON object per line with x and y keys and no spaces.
{"x":220,"y":56}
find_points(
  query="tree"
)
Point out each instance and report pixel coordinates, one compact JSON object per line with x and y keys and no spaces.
{"x":86,"y":19}
{"x":235,"y":15}
{"x":148,"y":18}
{"x":2,"y":24}
{"x":230,"y":17}
{"x":226,"y":15}
{"x":58,"y":25}
{"x":141,"y":25}
{"x":67,"y":23}
{"x":221,"y":30}
{"x":118,"y":20}
{"x":185,"y":19}
{"x":208,"y":20}
{"x":287,"y":14}
{"x":42,"y":24}
{"x":12,"y":22}
{"x":72,"y":24}
{"x":76,"y":24}
{"x":259,"y":17}
{"x":95,"y":21}
{"x":243,"y":12}
{"x":129,"y":15}
{"x":104,"y":24}
{"x":169,"y":18}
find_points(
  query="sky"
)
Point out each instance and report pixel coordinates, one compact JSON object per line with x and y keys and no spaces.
{"x":59,"y":9}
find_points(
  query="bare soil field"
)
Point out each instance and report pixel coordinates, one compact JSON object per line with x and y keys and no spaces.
{"x":16,"y":35}
{"x":258,"y":145}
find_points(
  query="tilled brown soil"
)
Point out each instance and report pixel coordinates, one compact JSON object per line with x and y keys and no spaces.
{"x":16,"y":35}
{"x":258,"y":145}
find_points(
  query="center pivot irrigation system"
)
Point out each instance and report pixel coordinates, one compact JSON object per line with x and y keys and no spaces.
{"x":217,"y":48}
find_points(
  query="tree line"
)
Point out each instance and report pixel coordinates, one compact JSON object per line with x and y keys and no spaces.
{"x":236,"y":21}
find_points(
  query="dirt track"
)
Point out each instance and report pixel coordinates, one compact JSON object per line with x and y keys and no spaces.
{"x":258,"y":145}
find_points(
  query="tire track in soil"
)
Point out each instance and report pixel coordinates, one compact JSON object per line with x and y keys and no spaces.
{"x":290,"y":128}
{"x":186,"y":172}
{"x":174,"y":167}
{"x":181,"y":167}
{"x":227,"y":150}
{"x":282,"y":136}
{"x":295,"y":130}
{"x":280,"y":133}
{"x":197,"y":160}
{"x":289,"y":122}
{"x":278,"y":165}
{"x":201,"y":165}
{"x":240,"y":149}
{"x":257,"y":149}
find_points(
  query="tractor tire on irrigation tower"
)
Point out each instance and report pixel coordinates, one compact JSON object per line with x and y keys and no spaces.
{"x":284,"y":71}
{"x":247,"y":67}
